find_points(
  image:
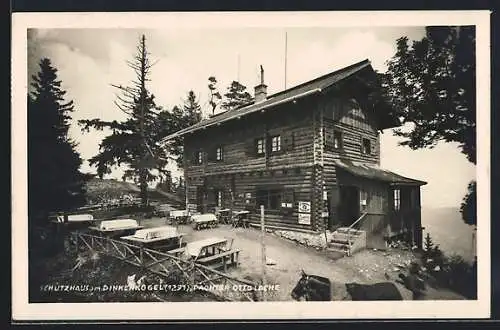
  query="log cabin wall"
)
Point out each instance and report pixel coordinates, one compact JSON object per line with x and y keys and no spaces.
{"x":376,"y":194}
{"x":345,"y":126}
{"x":243,"y":172}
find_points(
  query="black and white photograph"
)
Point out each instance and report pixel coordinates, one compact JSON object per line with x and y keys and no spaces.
{"x":250,"y":165}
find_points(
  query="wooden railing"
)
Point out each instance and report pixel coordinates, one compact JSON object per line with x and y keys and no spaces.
{"x":163,"y":263}
{"x":350,"y":228}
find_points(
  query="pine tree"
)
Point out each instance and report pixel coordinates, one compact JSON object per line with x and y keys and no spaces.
{"x":135,"y":142}
{"x":192,"y":110}
{"x":236,"y":96}
{"x":428,"y":243}
{"x":54,"y":180}
{"x":188,"y":115}
{"x":215,"y":96}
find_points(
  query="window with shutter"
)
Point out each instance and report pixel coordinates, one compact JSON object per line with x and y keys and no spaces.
{"x":275,"y":143}
{"x":197,"y":157}
{"x":219,"y":154}
{"x":260,"y":147}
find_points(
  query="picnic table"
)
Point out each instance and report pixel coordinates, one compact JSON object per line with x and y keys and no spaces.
{"x":118,"y":227}
{"x":165,"y":238}
{"x":215,"y":252}
{"x":223,"y":215}
{"x":207,"y":220}
{"x":179,"y":216}
{"x":63,"y":221}
{"x":240,"y":219}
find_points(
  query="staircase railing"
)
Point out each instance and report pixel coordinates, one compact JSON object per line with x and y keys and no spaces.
{"x":349,"y":231}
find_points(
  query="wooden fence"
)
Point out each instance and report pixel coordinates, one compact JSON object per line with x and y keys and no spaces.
{"x":161,"y":263}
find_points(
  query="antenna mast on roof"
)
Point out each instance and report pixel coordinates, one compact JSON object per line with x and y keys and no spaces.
{"x":238,"y":69}
{"x":286,"y":50}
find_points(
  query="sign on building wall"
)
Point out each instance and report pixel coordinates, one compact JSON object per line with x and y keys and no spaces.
{"x":305,"y":207}
{"x":304,"y":218}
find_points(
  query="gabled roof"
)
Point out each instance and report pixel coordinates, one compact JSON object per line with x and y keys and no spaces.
{"x":308,"y":88}
{"x":376,"y":173}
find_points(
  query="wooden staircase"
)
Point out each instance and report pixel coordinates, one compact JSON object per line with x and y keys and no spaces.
{"x":348,"y":240}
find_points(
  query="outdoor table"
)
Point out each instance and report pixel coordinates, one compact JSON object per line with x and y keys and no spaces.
{"x":165,"y":237}
{"x":112,"y":228}
{"x":207,"y":246}
{"x":208,"y":220}
{"x":240,"y":219}
{"x":179,"y":216}
{"x":223,"y":215}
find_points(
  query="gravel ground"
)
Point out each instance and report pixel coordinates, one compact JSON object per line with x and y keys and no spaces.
{"x":368,"y":266}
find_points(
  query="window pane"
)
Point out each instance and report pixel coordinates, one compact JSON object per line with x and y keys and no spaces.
{"x":397,"y":199}
{"x":260,"y":146}
{"x":337,"y":140}
{"x":276,"y":143}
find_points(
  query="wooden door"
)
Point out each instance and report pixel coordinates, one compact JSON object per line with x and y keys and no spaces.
{"x":200,"y":192}
{"x":349,"y":205}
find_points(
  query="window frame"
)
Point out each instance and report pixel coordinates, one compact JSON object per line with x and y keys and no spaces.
{"x":218,"y":198}
{"x":341,"y":138}
{"x":263,"y":143}
{"x":278,"y":145}
{"x":396,"y":199}
{"x":363,"y":146}
{"x":266,"y":194}
{"x":199,"y":157}
{"x":219,"y":154}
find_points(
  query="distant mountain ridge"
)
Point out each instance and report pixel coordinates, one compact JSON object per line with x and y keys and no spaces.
{"x":447,"y":229}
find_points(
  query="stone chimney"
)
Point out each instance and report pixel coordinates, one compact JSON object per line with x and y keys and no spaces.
{"x":260,"y":92}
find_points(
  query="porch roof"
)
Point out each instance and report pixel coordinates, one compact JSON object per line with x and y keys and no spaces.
{"x":375,"y":172}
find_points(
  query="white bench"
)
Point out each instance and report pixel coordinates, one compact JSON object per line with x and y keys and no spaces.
{"x":74,"y":218}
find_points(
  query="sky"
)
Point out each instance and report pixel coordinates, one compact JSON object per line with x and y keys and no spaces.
{"x":90,"y":60}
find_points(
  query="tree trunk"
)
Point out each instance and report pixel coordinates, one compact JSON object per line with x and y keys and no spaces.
{"x":144,"y":188}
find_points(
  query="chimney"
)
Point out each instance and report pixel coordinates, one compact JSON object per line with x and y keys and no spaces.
{"x":260,"y":92}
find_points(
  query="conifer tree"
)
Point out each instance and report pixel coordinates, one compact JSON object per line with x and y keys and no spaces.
{"x":236,"y":96}
{"x":55,"y":182}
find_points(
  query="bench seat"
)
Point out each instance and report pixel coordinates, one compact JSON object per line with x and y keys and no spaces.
{"x":225,"y":259}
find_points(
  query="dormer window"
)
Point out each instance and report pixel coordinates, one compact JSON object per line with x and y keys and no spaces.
{"x":366,"y":147}
{"x":276,"y":143}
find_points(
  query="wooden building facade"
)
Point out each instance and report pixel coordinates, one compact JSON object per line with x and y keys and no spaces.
{"x":309,"y":154}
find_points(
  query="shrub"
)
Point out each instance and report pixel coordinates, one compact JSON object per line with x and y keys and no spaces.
{"x":451,"y":271}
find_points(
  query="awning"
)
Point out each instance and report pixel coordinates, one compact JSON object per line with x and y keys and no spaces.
{"x":375,"y":172}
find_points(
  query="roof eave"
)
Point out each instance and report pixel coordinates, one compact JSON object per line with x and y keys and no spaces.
{"x":215,"y":123}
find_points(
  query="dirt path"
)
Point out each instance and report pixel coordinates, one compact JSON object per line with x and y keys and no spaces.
{"x":364,"y":267}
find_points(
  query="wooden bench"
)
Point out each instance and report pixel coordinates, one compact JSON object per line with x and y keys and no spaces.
{"x":221,"y":260}
{"x":179,"y":251}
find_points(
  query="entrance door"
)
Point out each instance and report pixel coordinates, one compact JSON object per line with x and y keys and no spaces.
{"x":199,"y":199}
{"x":349,"y":205}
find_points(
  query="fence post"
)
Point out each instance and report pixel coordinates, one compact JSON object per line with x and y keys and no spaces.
{"x":263,"y":250}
